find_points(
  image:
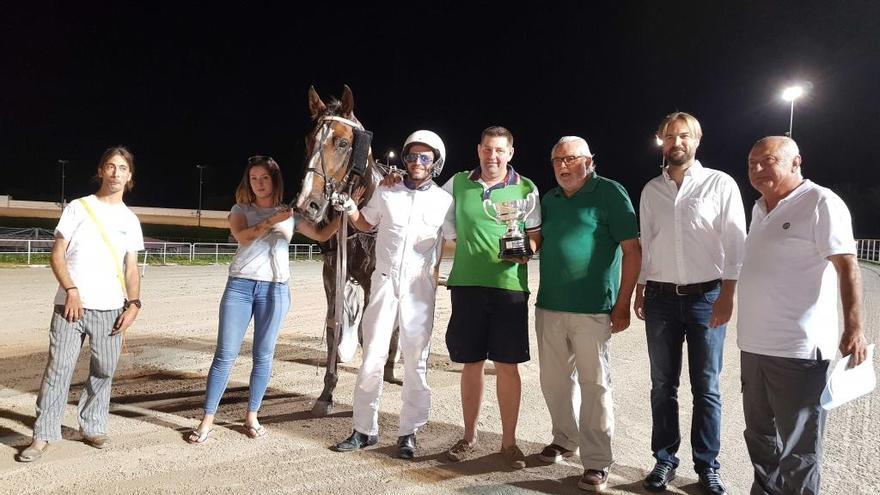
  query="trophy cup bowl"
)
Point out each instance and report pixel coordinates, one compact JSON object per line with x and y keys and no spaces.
{"x":514,"y":243}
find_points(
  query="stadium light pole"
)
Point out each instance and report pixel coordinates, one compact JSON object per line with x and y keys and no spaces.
{"x":201,"y":169}
{"x":388,"y":157}
{"x":791,"y":94}
{"x":659,"y":143}
{"x":62,"y":163}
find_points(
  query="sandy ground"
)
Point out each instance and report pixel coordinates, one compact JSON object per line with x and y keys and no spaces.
{"x":159,"y":389}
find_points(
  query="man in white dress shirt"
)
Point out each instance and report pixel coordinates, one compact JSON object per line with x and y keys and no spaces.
{"x":692,"y":231}
{"x":410,"y":218}
{"x":799,"y":253}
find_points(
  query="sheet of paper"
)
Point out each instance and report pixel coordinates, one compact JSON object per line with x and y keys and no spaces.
{"x":846,"y":384}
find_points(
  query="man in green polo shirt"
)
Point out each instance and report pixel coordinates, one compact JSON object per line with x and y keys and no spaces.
{"x":590,"y":261}
{"x":490,"y":313}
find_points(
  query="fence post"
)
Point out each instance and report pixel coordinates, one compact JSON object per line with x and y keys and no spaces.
{"x":29,"y":252}
{"x":192,"y":250}
{"x":164,"y":253}
{"x":144,"y":266}
{"x":217,"y":254}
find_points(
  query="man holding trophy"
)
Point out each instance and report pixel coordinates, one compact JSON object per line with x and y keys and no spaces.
{"x":489,"y":285}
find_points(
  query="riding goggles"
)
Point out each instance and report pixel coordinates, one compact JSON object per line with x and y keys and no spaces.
{"x":422,"y":159}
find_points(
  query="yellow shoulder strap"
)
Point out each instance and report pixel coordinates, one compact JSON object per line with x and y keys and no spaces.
{"x":113,"y":256}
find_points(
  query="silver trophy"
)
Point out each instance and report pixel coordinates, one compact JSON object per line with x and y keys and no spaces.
{"x":514,"y":243}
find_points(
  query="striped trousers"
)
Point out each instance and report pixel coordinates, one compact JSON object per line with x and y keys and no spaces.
{"x":65,"y":341}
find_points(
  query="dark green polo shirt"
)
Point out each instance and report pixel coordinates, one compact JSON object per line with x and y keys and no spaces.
{"x":580,"y":256}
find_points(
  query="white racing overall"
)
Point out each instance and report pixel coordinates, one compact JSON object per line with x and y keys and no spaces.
{"x":410,"y":232}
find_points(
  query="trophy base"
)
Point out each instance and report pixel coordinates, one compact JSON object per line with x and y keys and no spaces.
{"x":515,"y":247}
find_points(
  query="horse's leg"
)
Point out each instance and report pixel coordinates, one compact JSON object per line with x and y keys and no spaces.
{"x":324,"y":404}
{"x":393,"y":354}
{"x":361,"y":264}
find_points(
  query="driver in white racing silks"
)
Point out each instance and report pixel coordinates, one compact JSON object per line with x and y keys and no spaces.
{"x":409,"y":217}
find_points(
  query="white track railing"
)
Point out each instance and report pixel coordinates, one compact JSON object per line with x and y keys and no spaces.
{"x":29,"y":251}
{"x":37,"y":251}
{"x":868,"y":249}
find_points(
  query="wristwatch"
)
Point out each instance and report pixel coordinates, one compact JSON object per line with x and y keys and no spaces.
{"x":133,"y":302}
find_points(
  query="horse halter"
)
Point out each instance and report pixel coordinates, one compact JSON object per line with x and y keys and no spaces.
{"x":330,"y":184}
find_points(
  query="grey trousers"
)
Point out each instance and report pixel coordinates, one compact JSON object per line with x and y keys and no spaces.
{"x":784,"y":422}
{"x":65,"y":341}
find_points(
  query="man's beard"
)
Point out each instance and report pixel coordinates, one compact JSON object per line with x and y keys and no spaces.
{"x":677,"y":162}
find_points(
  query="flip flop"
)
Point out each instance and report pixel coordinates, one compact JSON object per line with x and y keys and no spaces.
{"x":30,"y":454}
{"x":199,"y":437}
{"x":257,"y":432}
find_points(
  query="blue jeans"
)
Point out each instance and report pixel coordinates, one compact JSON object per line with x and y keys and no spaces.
{"x":267,"y":303}
{"x":669,"y":321}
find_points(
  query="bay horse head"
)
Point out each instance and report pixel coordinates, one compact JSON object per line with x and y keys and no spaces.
{"x":329,"y":149}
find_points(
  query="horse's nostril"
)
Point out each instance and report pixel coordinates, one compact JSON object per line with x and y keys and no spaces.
{"x":313,"y":206}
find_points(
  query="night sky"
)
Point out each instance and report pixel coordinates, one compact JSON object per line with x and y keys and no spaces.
{"x":185,"y":83}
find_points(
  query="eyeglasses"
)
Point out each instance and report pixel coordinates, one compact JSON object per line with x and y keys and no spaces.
{"x":259,"y":159}
{"x":422,"y":159}
{"x":567,"y":160}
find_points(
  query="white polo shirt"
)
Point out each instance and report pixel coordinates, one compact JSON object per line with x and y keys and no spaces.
{"x":694,"y":233}
{"x":410,"y":228}
{"x":787,"y":291}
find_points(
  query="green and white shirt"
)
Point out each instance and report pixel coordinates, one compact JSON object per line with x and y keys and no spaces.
{"x":477,"y":235}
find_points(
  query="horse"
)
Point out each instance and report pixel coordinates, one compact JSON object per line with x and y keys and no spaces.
{"x":329,"y":148}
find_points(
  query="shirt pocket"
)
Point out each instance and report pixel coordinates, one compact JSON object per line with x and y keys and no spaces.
{"x":702,"y":212}
{"x":426,"y":232}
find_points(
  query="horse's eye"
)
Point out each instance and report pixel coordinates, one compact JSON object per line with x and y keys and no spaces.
{"x":342,"y":143}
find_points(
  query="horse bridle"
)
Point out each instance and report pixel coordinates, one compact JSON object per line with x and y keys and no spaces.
{"x":330,"y":184}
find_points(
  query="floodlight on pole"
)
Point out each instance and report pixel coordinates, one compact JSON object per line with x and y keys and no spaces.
{"x":201,"y":169}
{"x":790,"y":94}
{"x":659,"y":142}
{"x":389,"y":158}
{"x":63,"y":163}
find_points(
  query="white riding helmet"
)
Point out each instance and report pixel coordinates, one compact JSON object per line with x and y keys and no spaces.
{"x":432,"y":140}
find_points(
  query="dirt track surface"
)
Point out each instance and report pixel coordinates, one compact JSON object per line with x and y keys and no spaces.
{"x":160,"y":383}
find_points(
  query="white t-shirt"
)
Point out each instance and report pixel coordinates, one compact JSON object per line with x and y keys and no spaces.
{"x":410,"y":228}
{"x":89,"y":263}
{"x":787,"y":290}
{"x":265,"y":259}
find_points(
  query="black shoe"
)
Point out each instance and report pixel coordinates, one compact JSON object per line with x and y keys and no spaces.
{"x":406,"y":446}
{"x":356,"y":441}
{"x":711,"y":482}
{"x":660,"y":477}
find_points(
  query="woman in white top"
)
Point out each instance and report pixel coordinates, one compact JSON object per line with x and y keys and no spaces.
{"x":257,"y":286}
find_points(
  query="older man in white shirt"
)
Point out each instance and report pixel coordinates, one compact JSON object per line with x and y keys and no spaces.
{"x":692,"y":233}
{"x":799,"y":255}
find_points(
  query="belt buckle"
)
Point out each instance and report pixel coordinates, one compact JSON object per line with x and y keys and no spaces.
{"x":677,"y":293}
